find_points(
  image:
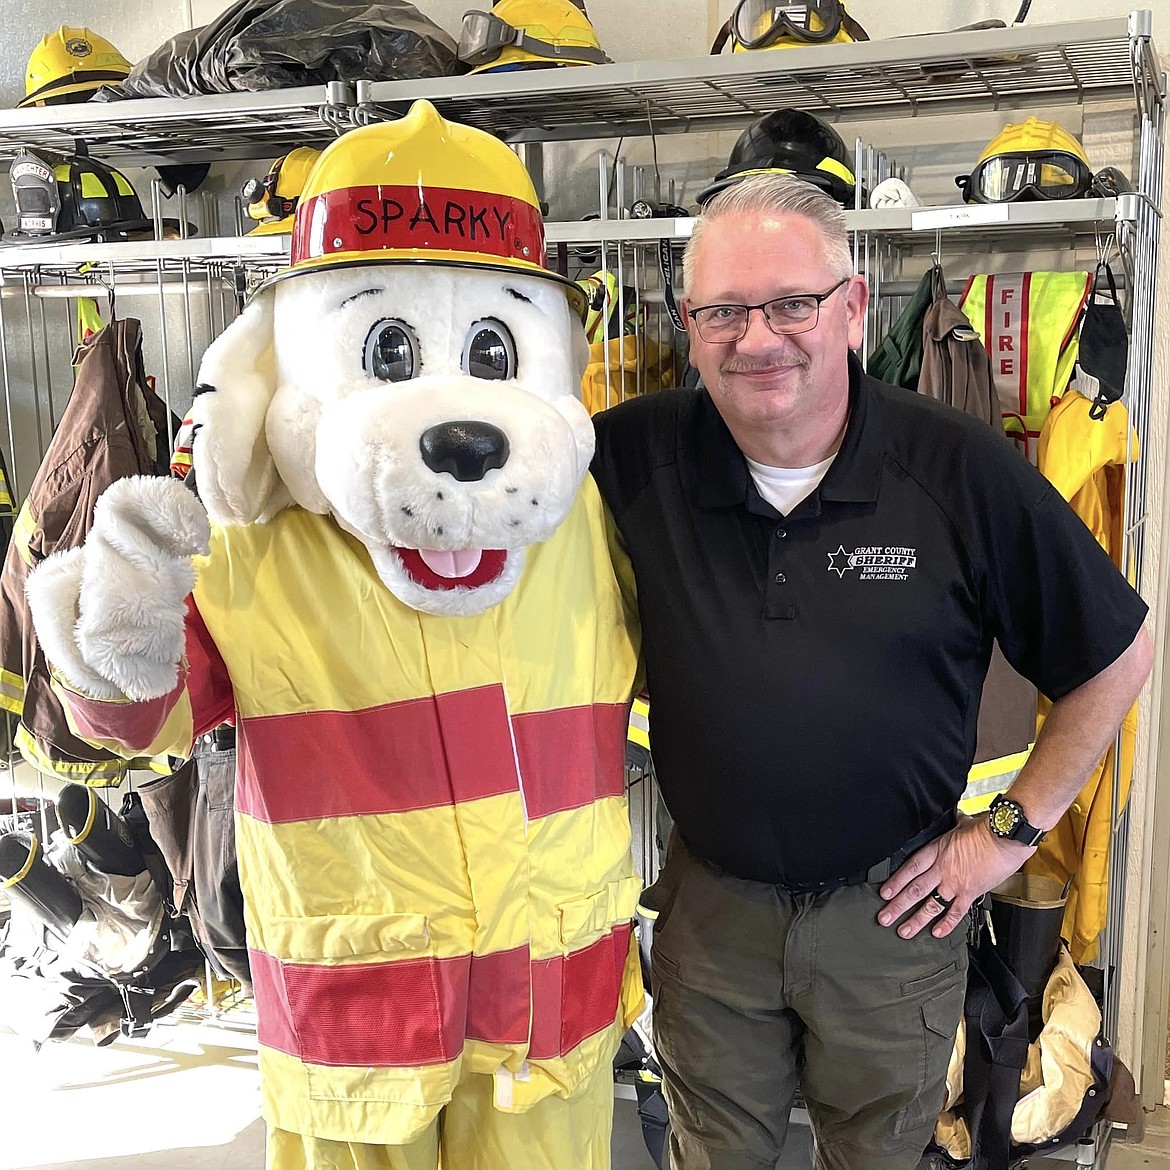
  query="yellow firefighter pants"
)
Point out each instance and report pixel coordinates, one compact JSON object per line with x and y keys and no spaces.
{"x":471,"y":1134}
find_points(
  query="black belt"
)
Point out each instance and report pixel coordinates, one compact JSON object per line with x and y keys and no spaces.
{"x":222,"y":739}
{"x":883,"y":869}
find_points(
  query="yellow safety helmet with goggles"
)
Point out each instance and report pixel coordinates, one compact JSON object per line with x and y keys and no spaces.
{"x":70,"y":65}
{"x":528,"y":34}
{"x":1033,"y":159}
{"x":765,"y":24}
{"x":273,"y":199}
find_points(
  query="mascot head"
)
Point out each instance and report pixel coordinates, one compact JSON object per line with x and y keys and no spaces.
{"x":415,"y":371}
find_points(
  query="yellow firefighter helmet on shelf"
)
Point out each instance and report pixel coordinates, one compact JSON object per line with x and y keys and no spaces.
{"x":273,"y":199}
{"x":768,"y":24}
{"x":69,"y":65}
{"x":421,"y":190}
{"x":1033,"y":159}
{"x":528,"y":34}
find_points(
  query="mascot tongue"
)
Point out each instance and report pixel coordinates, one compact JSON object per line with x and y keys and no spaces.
{"x":458,"y":563}
{"x":459,"y":569}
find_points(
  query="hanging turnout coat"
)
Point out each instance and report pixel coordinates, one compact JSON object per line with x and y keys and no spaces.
{"x":108,"y":430}
{"x":1086,"y":461}
{"x":431,"y":822}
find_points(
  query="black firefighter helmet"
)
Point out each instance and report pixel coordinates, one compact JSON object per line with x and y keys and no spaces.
{"x":789,"y":141}
{"x":75,"y":198}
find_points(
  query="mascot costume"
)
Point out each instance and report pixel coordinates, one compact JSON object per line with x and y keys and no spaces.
{"x":406,"y":601}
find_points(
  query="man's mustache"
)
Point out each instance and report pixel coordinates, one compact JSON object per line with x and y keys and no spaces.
{"x":751,"y":365}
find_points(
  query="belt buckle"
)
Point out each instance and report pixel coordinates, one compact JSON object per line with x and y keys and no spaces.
{"x":825,"y":887}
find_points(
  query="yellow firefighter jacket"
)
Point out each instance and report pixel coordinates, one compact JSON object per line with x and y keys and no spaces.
{"x":431,"y":823}
{"x":1085,"y":461}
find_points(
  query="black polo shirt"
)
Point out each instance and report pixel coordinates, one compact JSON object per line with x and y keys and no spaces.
{"x":815,"y":679}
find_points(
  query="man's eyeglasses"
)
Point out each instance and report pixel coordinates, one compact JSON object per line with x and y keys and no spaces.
{"x":721,"y":324}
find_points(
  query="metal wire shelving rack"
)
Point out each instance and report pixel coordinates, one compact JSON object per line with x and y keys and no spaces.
{"x":1107,"y":63}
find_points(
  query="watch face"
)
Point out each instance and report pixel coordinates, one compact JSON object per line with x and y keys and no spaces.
{"x":1004,"y":819}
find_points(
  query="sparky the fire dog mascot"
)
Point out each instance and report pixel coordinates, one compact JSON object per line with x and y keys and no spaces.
{"x":406,"y":601}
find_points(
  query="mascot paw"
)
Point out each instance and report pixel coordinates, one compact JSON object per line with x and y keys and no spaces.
{"x":53,"y":590}
{"x":136,"y":574}
{"x":150,"y":519}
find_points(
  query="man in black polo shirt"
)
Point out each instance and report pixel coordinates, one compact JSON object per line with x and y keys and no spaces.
{"x":822,"y":563}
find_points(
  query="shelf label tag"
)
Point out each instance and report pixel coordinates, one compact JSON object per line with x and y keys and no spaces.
{"x":969,"y":216}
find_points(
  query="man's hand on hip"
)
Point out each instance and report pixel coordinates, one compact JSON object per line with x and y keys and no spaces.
{"x":941,"y":880}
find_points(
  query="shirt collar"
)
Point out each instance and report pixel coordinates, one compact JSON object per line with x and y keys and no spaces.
{"x":722,"y":476}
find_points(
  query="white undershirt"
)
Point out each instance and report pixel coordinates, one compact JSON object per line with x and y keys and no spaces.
{"x":785,"y":487}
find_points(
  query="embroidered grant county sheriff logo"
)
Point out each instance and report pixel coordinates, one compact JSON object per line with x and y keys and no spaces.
{"x":874,"y":563}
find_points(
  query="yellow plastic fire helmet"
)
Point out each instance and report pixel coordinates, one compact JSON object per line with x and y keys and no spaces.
{"x":528,"y":34}
{"x":768,"y":24}
{"x":421,"y":190}
{"x":273,"y":199}
{"x":69,"y":65}
{"x":1033,"y":159}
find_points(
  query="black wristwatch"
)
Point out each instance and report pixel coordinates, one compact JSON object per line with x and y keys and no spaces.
{"x":1007,"y":821}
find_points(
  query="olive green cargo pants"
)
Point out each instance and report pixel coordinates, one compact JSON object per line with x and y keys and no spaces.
{"x":758,"y":991}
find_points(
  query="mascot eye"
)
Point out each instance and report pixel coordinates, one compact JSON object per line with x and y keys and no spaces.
{"x":391,"y":352}
{"x":489,"y":351}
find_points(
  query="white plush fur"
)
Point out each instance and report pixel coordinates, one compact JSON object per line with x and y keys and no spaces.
{"x":110,"y":615}
{"x":346,"y":444}
{"x":136,"y":578}
{"x":237,"y":479}
{"x":53,"y":590}
{"x":294,"y":417}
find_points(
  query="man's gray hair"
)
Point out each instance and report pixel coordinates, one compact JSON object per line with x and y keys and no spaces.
{"x":777,"y":194}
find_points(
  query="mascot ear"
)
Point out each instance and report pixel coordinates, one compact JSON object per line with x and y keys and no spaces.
{"x":236,"y":477}
{"x":571,"y":408}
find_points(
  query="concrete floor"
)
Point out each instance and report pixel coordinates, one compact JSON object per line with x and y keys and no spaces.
{"x":184,"y":1098}
{"x":1152,"y":1152}
{"x":187,"y":1098}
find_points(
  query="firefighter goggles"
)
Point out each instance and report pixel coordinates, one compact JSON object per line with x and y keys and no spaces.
{"x":484,"y":36}
{"x":723,"y":324}
{"x":758,"y":23}
{"x":1013,"y":176}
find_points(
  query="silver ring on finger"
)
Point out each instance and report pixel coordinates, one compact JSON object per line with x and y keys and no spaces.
{"x":944,"y":904}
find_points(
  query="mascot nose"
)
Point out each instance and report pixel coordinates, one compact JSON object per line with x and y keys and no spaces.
{"x":466,"y":450}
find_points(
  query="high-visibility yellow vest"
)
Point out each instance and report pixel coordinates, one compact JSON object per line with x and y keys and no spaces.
{"x":1029,"y":323}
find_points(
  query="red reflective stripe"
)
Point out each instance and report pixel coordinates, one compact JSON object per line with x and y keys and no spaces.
{"x":373,"y":1015}
{"x":575,"y":996}
{"x":1073,"y":327}
{"x":572,"y":756}
{"x":498,"y":997}
{"x":209,"y":686}
{"x":477,"y":742}
{"x":967,"y":292}
{"x":422,"y":753}
{"x":988,"y":326}
{"x":417,"y":1011}
{"x":374,"y":218}
{"x":133,"y":725}
{"x":1025,"y":313}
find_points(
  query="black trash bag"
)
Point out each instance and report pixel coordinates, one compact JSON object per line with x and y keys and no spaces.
{"x":282,"y":44}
